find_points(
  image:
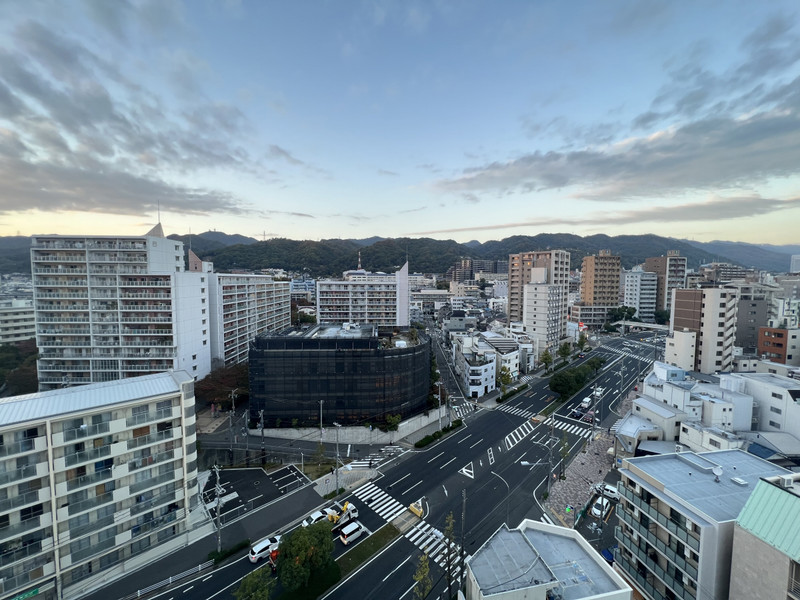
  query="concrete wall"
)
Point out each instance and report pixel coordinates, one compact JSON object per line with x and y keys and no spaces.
{"x":757,"y":569}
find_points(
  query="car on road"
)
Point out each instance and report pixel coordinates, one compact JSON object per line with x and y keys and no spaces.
{"x":264,"y":548}
{"x":588,"y":417}
{"x":607,"y":490}
{"x":576,"y":414}
{"x":581,"y":355}
{"x":601,"y":507}
{"x":317,"y":516}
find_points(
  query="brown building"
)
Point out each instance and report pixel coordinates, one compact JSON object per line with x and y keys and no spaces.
{"x":671,"y":272}
{"x":556,"y":264}
{"x":779,"y":345}
{"x":600,"y":282}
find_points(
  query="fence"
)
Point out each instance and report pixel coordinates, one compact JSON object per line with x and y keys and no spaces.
{"x":170,"y":580}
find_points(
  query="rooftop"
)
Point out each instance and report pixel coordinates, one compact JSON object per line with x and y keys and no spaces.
{"x":537,"y":554}
{"x":786,"y":383}
{"x":659,"y":408}
{"x":693,"y":479}
{"x":772,"y":513}
{"x":58,"y":403}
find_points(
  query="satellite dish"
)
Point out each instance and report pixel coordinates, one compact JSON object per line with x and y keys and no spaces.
{"x":717,"y":471}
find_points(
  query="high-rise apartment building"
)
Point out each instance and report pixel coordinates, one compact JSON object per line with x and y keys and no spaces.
{"x":671,"y":272}
{"x":709,"y":313}
{"x":17,"y":322}
{"x":600,"y":286}
{"x":365,"y":298}
{"x":556,"y":265}
{"x":543,"y":311}
{"x":112,"y":307}
{"x":95,"y":481}
{"x":639,"y":292}
{"x":677,"y":517}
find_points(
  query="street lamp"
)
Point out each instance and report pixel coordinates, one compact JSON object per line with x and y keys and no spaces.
{"x":320,"y":420}
{"x":508,"y":493}
{"x":337,"y":456}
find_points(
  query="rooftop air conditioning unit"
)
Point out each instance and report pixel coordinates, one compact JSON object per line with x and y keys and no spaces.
{"x":786,"y":481}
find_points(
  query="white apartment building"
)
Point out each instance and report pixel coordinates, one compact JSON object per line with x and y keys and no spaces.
{"x":639,"y":292}
{"x":544,"y":313}
{"x":95,"y":481}
{"x":17,"y":322}
{"x":677,"y":515}
{"x":475,"y":363}
{"x":711,"y":313}
{"x":362,"y":297}
{"x":508,"y":352}
{"x":113,"y":307}
{"x":245,"y":306}
{"x":556,"y":265}
{"x":777,"y":399}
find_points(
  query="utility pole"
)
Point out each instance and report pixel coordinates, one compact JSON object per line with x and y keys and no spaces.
{"x":463,"y":518}
{"x":218,"y":489}
{"x":337,"y":456}
{"x":320,"y":420}
{"x":550,"y":458}
{"x":594,"y":417}
{"x":261,"y":425}
{"x":440,"y":406}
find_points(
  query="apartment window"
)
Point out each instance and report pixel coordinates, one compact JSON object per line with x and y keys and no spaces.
{"x":684,"y":429}
{"x":774,"y":424}
{"x":776,"y":410}
{"x":194,"y":356}
{"x":777,"y":395}
{"x":714,"y":443}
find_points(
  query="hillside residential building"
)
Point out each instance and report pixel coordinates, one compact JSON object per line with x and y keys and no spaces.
{"x":537,"y":561}
{"x":97,"y":481}
{"x":365,"y":298}
{"x":113,"y":307}
{"x":671,"y":272}
{"x":640,"y":290}
{"x":677,"y":517}
{"x":765,"y":561}
{"x":17,"y":320}
{"x":520,"y":266}
{"x":709,"y":313}
{"x":303,"y":289}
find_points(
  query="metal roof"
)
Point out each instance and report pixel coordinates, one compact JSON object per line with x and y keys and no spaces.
{"x":508,"y":561}
{"x":54,"y":403}
{"x":772,"y":514}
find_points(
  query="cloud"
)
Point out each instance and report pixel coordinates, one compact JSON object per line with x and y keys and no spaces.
{"x":387,"y":173}
{"x":715,"y":209}
{"x":276,"y":151}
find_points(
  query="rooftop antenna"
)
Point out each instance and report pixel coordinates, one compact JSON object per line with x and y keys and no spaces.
{"x":190,"y":238}
{"x":359,"y":260}
{"x":717,"y":471}
{"x":158,"y":209}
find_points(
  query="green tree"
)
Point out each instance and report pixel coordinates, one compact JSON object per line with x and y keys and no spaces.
{"x":582,"y":341}
{"x":564,"y":350}
{"x":319,"y":455}
{"x":546,"y":359}
{"x":621,"y":313}
{"x":256,"y":586}
{"x":303,"y":552}
{"x":563,"y":383}
{"x":595,"y":363}
{"x":449,"y":538}
{"x":423,"y":578}
{"x":392,"y":421}
{"x":564,"y":451}
{"x":504,"y":378}
{"x":662,"y":317}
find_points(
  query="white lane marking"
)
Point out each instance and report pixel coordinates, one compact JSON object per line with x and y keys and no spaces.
{"x":476,"y":443}
{"x":412,"y":487}
{"x":435,"y":457}
{"x":207,"y":578}
{"x":397,"y":567}
{"x":191,"y":587}
{"x":464,"y":438}
{"x":447,"y":463}
{"x":401,"y":479}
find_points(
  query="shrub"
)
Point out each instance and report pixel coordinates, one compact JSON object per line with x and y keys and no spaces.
{"x":218,"y":557}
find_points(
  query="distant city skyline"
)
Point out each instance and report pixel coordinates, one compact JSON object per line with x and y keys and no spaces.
{"x":452,"y":120}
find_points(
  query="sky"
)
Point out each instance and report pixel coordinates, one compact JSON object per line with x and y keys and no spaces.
{"x":464,"y":120}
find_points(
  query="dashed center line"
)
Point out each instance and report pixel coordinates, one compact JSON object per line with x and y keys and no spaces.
{"x":476,"y":443}
{"x":447,"y":463}
{"x":435,"y":457}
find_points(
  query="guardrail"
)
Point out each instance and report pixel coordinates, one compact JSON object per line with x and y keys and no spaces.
{"x":169,"y":581}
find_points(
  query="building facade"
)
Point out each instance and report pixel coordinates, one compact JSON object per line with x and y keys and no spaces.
{"x":677,"y":514}
{"x":543,"y":314}
{"x":243,"y":307}
{"x":113,"y":307}
{"x":711,"y":313}
{"x":640,"y":290}
{"x":92,"y":477}
{"x":17,"y":320}
{"x":556,"y":264}
{"x":671,"y":273}
{"x":343,"y":373}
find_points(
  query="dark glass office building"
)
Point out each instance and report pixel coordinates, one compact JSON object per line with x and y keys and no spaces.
{"x":358,"y":376}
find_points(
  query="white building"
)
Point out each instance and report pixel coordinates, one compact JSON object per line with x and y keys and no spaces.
{"x":17,"y":320}
{"x":508,"y":353}
{"x":639,"y":292}
{"x":777,"y":399}
{"x":544,"y":311}
{"x":475,"y":363}
{"x":113,"y":307}
{"x":363,"y":297}
{"x":95,"y":481}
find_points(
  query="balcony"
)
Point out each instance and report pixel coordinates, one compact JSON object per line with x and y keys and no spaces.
{"x":90,"y":479}
{"x":153,"y":438}
{"x":95,"y":548}
{"x":25,"y":472}
{"x":85,"y":431}
{"x":662,"y":520}
{"x":16,"y":448}
{"x":24,"y":552}
{"x":140,"y":486}
{"x":149,"y":417}
{"x":17,"y":501}
{"x":641,"y":580}
{"x":86,"y":455}
{"x":59,"y":271}
{"x":653,"y":567}
{"x":78,"y":507}
{"x":18,"y":529}
{"x":78,"y":257}
{"x":62,"y":295}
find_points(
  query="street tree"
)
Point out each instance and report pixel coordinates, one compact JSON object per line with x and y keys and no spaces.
{"x":582,"y":341}
{"x":595,"y":363}
{"x":546,"y":359}
{"x":256,"y":586}
{"x":662,"y":317}
{"x":563,"y":383}
{"x":423,"y":578}
{"x":504,"y":378}
{"x":622,"y":313}
{"x":304,"y":552}
{"x":392,"y":421}
{"x":564,"y":350}
{"x":564,"y":451}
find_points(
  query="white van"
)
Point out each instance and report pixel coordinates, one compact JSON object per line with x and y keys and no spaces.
{"x":264,"y":548}
{"x":351,"y":532}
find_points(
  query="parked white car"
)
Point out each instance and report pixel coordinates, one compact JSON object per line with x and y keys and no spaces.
{"x":606,"y":490}
{"x":600,"y":508}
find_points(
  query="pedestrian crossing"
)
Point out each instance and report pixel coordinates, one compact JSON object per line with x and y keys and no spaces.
{"x":519,"y":434}
{"x":462,"y":410}
{"x":376,"y":458}
{"x":628,"y":353}
{"x":527,"y":378}
{"x":432,"y":542}
{"x":515,"y":410}
{"x":382,"y":503}
{"x":572,"y":428}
